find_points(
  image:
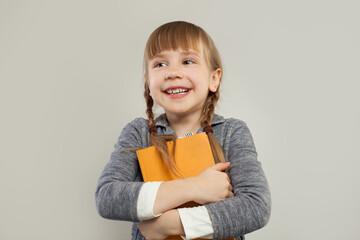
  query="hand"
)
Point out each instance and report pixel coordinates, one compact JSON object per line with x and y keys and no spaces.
{"x":168,"y":224}
{"x":212,"y":185}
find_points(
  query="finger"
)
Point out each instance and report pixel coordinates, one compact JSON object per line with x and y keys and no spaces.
{"x":220,"y":166}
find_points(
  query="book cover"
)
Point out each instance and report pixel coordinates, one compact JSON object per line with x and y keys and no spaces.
{"x":192,"y":155}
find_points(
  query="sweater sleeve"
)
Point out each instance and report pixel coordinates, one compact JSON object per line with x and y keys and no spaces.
{"x":117,"y":190}
{"x":249,"y":208}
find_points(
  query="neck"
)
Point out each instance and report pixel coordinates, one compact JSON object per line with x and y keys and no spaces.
{"x":184,"y":124}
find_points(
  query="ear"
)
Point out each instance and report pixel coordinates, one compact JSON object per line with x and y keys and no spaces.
{"x":215,"y":80}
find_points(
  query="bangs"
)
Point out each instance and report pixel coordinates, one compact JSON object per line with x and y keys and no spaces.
{"x":173,"y":37}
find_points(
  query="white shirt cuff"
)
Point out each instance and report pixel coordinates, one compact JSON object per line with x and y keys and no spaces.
{"x":146,"y":200}
{"x":196,"y":222}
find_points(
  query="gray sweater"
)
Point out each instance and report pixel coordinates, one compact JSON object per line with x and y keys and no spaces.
{"x":120,"y":182}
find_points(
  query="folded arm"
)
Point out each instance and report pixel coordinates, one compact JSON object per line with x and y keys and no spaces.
{"x":250,"y":207}
{"x":211,"y":185}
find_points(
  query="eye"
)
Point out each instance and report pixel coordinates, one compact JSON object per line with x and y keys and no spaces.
{"x":159,"y":64}
{"x":189,"y":61}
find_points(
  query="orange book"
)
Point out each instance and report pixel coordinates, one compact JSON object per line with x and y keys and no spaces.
{"x":192,"y":155}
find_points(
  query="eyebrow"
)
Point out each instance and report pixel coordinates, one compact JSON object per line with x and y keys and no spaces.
{"x":158,"y":56}
{"x":185,"y":53}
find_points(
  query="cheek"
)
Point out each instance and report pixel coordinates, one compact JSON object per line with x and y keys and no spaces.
{"x":154,"y":87}
{"x":154,"y":79}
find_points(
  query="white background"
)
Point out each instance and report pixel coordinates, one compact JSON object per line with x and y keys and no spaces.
{"x":71,"y":78}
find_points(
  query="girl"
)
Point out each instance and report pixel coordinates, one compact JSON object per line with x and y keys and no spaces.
{"x":182,"y":74}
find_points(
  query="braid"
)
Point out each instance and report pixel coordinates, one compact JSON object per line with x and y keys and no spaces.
{"x":209,"y":108}
{"x":149,"y":105}
{"x":159,"y":141}
{"x":206,"y":119}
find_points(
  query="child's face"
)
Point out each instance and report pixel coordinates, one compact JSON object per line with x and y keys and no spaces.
{"x":179,"y":81}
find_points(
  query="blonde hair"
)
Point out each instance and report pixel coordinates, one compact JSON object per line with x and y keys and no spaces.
{"x":184,"y":35}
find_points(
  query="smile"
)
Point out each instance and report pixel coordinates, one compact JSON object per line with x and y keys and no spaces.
{"x":177,"y":91}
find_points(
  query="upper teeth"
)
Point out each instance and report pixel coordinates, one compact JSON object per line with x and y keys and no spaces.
{"x":175,"y":91}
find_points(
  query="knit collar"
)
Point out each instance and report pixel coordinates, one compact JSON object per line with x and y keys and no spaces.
{"x":163,"y":122}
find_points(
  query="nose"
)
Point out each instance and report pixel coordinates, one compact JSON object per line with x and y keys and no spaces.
{"x":174,"y":72}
